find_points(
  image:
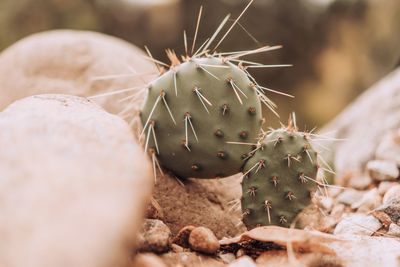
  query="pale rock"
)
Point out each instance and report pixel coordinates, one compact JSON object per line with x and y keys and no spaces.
{"x":360,"y":182}
{"x":357,"y":224}
{"x":389,"y":147}
{"x":392,"y":193}
{"x":74,"y":184}
{"x":350,"y":196}
{"x":148,"y":260}
{"x":155,"y":236}
{"x":244,"y":261}
{"x":368,"y":202}
{"x":394,"y":230}
{"x":385,"y":186}
{"x":381,"y":170}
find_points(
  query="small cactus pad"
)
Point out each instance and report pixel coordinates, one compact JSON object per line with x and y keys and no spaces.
{"x":192,"y":113}
{"x":278,"y":180}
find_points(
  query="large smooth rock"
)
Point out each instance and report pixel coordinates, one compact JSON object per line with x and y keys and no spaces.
{"x":67,"y":62}
{"x":73,"y":184}
{"x":364,"y":124}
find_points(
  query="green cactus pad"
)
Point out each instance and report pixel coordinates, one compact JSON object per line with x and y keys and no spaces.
{"x":194,"y":110}
{"x":278,"y":180}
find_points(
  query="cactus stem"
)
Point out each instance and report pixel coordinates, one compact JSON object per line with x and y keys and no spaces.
{"x":236,"y":93}
{"x":252,"y":191}
{"x":261,"y":164}
{"x":282,"y":219}
{"x":219,"y":133}
{"x":201,"y":67}
{"x":149,"y":132}
{"x":267,"y":207}
{"x":162,"y":94}
{"x":150,"y":115}
{"x":246,"y":212}
{"x":215,"y":66}
{"x":290,"y":195}
{"x":254,"y":166}
{"x":302,"y":178}
{"x":186,"y":144}
{"x":275,"y":180}
{"x":224,"y":108}
{"x":243,"y":143}
{"x":202,"y":98}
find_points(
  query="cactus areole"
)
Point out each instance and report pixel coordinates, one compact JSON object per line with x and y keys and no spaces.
{"x":195,"y":113}
{"x":279,"y":179}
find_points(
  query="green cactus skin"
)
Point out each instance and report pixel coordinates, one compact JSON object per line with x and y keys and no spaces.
{"x":192,"y":113}
{"x":277,"y":183}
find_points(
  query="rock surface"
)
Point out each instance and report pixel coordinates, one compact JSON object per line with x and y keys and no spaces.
{"x":203,"y":240}
{"x":357,"y":119}
{"x":155,"y":237}
{"x":73,"y":184}
{"x":67,"y":61}
{"x":381,"y":170}
{"x":357,"y":224}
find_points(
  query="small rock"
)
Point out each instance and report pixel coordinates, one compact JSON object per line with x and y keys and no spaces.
{"x":326,"y":203}
{"x":394,"y":230}
{"x":156,"y":237}
{"x":176,"y":248}
{"x":240,"y":253}
{"x":389,"y":147}
{"x":148,"y":260}
{"x":385,"y":186}
{"x":357,"y":224}
{"x":244,"y":261}
{"x":360,"y":182}
{"x":392,"y":193}
{"x":227,"y":257}
{"x":202,"y":239}
{"x":392,"y":209}
{"x":368,"y":202}
{"x":182,"y":238}
{"x":190,"y":259}
{"x":381,"y":170}
{"x":350,"y":196}
{"x":154,"y":211}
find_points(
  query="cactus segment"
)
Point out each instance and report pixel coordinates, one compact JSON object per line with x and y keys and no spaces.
{"x":192,"y":113}
{"x":279,"y":179}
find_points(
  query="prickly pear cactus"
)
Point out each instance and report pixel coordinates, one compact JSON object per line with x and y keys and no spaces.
{"x":279,"y":179}
{"x":197,"y":112}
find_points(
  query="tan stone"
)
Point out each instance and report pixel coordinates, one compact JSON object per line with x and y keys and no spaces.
{"x":73,"y":184}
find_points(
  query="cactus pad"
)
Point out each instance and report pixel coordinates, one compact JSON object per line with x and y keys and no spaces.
{"x":279,"y":179}
{"x":194,"y":110}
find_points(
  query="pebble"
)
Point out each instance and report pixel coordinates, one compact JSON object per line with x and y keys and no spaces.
{"x":326,"y":203}
{"x":154,"y":210}
{"x":350,"y":196}
{"x":392,"y":209}
{"x":182,"y":238}
{"x":392,"y":193}
{"x":368,"y":202}
{"x":202,"y":239}
{"x":244,"y":261}
{"x":385,"y":186}
{"x":147,"y":260}
{"x":227,"y":257}
{"x":360,"y":182}
{"x":389,"y":147}
{"x":176,"y":248}
{"x":381,"y":170}
{"x":394,"y":230}
{"x":357,"y":224}
{"x":155,"y":237}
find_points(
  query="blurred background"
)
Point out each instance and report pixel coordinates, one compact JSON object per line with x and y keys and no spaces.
{"x":338,"y":47}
